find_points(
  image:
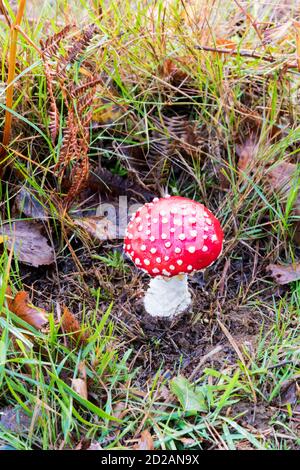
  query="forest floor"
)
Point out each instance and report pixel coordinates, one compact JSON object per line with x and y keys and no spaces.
{"x":137,"y":99}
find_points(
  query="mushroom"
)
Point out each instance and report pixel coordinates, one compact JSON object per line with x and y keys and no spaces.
{"x":170,"y":238}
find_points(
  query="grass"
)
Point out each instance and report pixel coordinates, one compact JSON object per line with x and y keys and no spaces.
{"x":242,"y":329}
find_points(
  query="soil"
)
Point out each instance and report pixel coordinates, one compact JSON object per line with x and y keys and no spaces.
{"x":184,"y":341}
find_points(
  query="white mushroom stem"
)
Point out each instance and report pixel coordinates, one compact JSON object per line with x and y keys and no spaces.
{"x":167,"y":296}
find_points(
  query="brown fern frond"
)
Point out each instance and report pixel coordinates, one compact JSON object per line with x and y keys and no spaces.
{"x":53,"y":112}
{"x":79,"y":177}
{"x":51,"y":45}
{"x":76,"y":49}
{"x":69,"y":148}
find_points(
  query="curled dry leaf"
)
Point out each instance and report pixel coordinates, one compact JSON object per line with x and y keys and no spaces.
{"x":29,"y":245}
{"x":284,"y":274}
{"x":145,"y":441}
{"x":71,"y":325}
{"x":21,"y":306}
{"x":79,"y":385}
{"x":99,"y":227}
{"x":247,"y":152}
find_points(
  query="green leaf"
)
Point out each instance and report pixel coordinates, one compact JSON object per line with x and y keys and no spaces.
{"x":191,"y":398}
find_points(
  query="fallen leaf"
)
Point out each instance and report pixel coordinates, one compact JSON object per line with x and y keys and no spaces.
{"x":79,"y":385}
{"x":27,"y":242}
{"x":224,"y":43}
{"x":171,"y":69}
{"x":14,"y":419}
{"x":71,"y":325}
{"x":29,"y":205}
{"x":247,"y":152}
{"x":21,"y":306}
{"x":290,"y":391}
{"x":284,"y":274}
{"x":98,"y":226}
{"x":107,"y":109}
{"x":145,"y":441}
{"x":283,"y":178}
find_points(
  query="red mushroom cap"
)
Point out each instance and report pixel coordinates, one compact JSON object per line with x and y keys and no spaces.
{"x":173,"y":235}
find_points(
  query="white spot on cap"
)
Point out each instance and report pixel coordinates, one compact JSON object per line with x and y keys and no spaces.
{"x":191,"y":249}
{"x":164,"y":236}
{"x":155,"y":199}
{"x":192,"y":220}
{"x":164,"y":220}
{"x":165,"y":272}
{"x":128,"y":246}
{"x":152,"y":238}
{"x":214,"y":238}
{"x":172,"y":267}
{"x":190,"y":267}
{"x":208,"y":221}
{"x":174,"y":210}
{"x":177,"y":221}
{"x":153,"y":250}
{"x":172,"y":230}
{"x":177,"y":250}
{"x":140,"y":228}
{"x":158,"y":260}
{"x":181,"y":236}
{"x":204,"y":237}
{"x":146,"y":262}
{"x":137,"y":261}
{"x":194,"y":233}
{"x":130,"y":236}
{"x":155,"y":220}
{"x":204,"y":248}
{"x":138,"y":219}
{"x":167,"y":196}
{"x":167,"y":244}
{"x":166,"y":258}
{"x":148,"y":232}
{"x":179,"y":262}
{"x":162,"y":213}
{"x":155,"y":270}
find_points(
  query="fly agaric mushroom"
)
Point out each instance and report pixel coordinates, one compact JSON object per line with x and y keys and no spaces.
{"x":170,"y":238}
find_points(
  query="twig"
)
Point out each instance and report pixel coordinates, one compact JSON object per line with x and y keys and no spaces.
{"x":4,"y":12}
{"x":244,"y":53}
{"x":10,"y":87}
{"x":204,"y":359}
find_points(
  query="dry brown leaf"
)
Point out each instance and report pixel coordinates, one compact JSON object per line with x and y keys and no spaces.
{"x":247,"y":152}
{"x":71,"y":325}
{"x":26,"y":203}
{"x":290,"y":391}
{"x":98,"y":226}
{"x":284,"y":274}
{"x":79,"y":385}
{"x":145,"y":441}
{"x":27,"y":242}
{"x":21,"y":306}
{"x":224,"y":43}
